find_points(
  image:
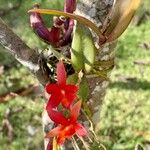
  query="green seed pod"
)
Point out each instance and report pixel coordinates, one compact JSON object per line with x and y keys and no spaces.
{"x":76,"y":49}
{"x":83,"y":49}
{"x":89,"y":50}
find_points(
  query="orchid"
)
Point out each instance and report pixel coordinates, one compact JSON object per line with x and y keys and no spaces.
{"x":60,"y":33}
{"x":66,"y":94}
{"x":61,"y":92}
{"x":50,"y":36}
{"x":68,"y":126}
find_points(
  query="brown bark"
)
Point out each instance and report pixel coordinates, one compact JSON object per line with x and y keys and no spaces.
{"x":97,"y":11}
{"x":26,"y":56}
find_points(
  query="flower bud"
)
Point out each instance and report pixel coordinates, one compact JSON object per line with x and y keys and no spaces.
{"x":37,"y":23}
{"x":70,"y":6}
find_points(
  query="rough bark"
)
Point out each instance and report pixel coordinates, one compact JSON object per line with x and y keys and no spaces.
{"x":26,"y":56}
{"x":97,"y":11}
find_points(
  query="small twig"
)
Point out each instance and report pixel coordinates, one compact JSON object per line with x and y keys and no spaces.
{"x":74,"y":144}
{"x":86,"y":145}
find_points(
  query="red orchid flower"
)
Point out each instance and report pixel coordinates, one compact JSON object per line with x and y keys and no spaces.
{"x":68,"y":128}
{"x":61,"y":92}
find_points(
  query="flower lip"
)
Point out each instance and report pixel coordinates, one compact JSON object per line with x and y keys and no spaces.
{"x":68,"y":129}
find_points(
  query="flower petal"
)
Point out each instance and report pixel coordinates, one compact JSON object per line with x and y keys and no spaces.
{"x":80,"y":130}
{"x":69,"y":24}
{"x":57,"y":117}
{"x":61,"y":73}
{"x":68,"y":100}
{"x":61,"y":140}
{"x":37,"y":23}
{"x":52,"y":88}
{"x":55,"y":35}
{"x":49,"y":146}
{"x":71,"y":97}
{"x":71,"y":88}
{"x":75,"y":110}
{"x":65,"y":103}
{"x":54,"y":101}
{"x":70,"y":6}
{"x":54,"y":132}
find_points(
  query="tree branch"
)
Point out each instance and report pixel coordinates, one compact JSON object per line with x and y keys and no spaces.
{"x":26,"y":56}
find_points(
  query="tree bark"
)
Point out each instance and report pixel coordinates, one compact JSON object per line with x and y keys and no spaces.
{"x":97,"y":11}
{"x":28,"y":57}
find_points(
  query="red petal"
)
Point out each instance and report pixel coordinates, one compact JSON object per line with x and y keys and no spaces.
{"x":54,"y":132}
{"x":70,"y":6}
{"x":75,"y":111}
{"x":61,"y":73}
{"x":80,"y":130}
{"x":57,"y":117}
{"x":55,"y":34}
{"x":71,"y":88}
{"x":65,"y":102}
{"x":70,"y":130}
{"x":54,"y":101}
{"x":50,"y":145}
{"x":71,"y":97}
{"x":52,"y":88}
{"x":61,"y":140}
{"x":68,"y":100}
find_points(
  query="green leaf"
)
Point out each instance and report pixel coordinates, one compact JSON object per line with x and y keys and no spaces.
{"x":84,"y":89}
{"x":72,"y":79}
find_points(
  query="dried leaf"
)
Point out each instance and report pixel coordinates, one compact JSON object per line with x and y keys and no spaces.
{"x":121,"y":15}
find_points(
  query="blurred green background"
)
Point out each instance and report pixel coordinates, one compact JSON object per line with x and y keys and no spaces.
{"x":125,"y":114}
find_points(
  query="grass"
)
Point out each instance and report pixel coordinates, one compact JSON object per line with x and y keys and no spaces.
{"x":125,"y":111}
